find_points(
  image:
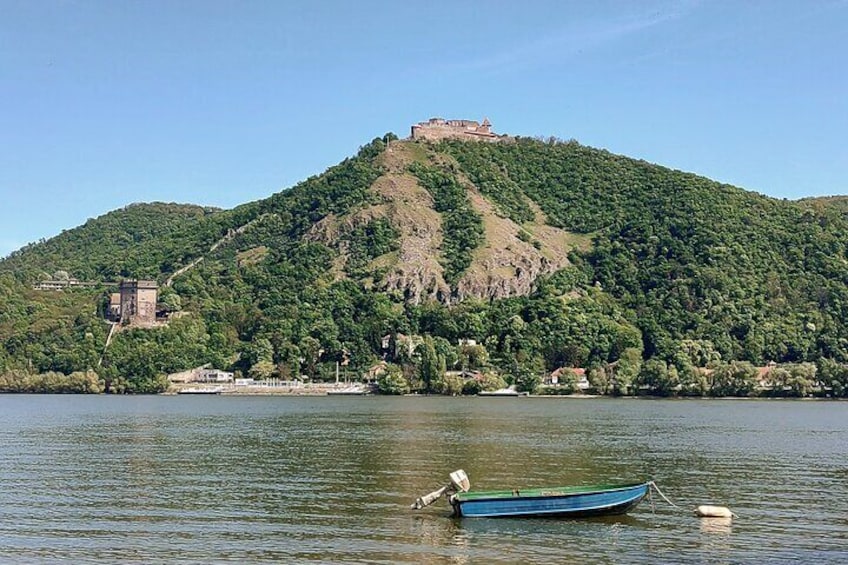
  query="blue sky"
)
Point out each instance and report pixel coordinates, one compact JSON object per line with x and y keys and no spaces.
{"x":221,"y":102}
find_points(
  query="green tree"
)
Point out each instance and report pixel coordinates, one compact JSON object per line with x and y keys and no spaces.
{"x":598,"y":379}
{"x":171,"y":301}
{"x":488,"y":381}
{"x":694,"y":381}
{"x":803,"y":379}
{"x":834,"y":375}
{"x":431,"y":366}
{"x":446,"y":351}
{"x":626,"y":371}
{"x":472,"y":357}
{"x":528,"y":374}
{"x":567,"y":382}
{"x":451,"y":385}
{"x":734,"y":379}
{"x":699,"y":353}
{"x":311,"y":351}
{"x":262,"y":370}
{"x":660,"y":378}
{"x":392,"y":381}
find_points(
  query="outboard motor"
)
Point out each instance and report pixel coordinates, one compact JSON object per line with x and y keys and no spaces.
{"x":458,"y":483}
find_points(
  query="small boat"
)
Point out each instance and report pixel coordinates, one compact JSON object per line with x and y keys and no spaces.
{"x":559,"y":502}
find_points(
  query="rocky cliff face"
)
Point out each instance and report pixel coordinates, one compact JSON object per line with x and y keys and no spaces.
{"x":507,"y":263}
{"x":510,"y":260}
{"x":414,"y":270}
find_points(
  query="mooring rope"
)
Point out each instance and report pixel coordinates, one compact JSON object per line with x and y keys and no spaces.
{"x":654,"y":485}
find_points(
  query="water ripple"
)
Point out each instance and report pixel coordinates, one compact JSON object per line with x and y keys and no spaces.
{"x":329,"y":480}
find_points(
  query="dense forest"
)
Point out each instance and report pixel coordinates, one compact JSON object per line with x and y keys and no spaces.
{"x":400,"y":264}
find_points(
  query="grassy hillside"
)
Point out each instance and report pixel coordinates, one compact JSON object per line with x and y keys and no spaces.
{"x":546,"y":254}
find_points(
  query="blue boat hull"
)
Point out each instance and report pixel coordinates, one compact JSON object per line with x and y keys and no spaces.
{"x":553,"y":504}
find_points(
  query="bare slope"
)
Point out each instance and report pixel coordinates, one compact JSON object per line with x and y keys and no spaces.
{"x":508,"y":262}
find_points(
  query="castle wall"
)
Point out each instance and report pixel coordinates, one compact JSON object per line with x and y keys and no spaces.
{"x":437,"y":129}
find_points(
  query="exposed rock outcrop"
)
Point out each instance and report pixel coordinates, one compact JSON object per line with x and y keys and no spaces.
{"x":415,"y":272}
{"x":508,"y":263}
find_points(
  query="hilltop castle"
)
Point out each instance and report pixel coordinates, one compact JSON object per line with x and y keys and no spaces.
{"x":436,"y":129}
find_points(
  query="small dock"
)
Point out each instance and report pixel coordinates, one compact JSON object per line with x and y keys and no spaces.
{"x":201,"y":390}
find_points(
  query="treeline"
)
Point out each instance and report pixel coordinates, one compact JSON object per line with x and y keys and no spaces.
{"x":435,"y":367}
{"x":78,"y":382}
{"x":733,"y":379}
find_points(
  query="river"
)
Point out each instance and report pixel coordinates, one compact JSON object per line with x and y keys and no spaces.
{"x":157,"y":479}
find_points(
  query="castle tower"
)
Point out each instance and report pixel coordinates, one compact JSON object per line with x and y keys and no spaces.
{"x":138,"y":302}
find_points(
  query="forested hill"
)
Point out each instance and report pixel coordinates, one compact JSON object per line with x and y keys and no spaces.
{"x":820,"y":203}
{"x":547,"y":254}
{"x":128,"y":240}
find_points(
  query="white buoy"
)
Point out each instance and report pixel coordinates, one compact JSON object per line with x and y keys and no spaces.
{"x":708,"y":511}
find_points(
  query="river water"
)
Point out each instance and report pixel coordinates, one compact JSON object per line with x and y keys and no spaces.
{"x":103,"y":479}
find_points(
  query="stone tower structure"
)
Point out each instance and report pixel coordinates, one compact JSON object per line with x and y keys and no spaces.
{"x":138,"y":302}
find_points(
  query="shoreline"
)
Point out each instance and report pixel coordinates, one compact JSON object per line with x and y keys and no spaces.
{"x":304,"y":389}
{"x":342,"y":389}
{"x":564,"y":397}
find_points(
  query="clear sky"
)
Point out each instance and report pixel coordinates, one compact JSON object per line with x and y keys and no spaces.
{"x":105,"y":103}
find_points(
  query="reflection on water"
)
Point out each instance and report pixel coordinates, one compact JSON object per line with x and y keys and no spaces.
{"x":330,"y":480}
{"x":722,"y":526}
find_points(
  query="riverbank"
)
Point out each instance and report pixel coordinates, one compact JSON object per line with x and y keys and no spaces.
{"x":285,"y":388}
{"x":342,"y":389}
{"x":276,"y":389}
